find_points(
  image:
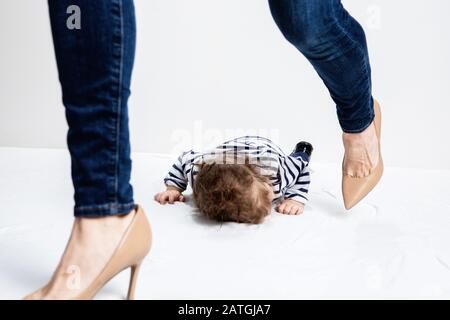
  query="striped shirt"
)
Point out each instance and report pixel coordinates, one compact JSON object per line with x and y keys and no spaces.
{"x":288,"y":174}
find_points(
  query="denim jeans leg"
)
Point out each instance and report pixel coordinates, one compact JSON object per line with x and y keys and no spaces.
{"x":335,"y":44}
{"x":95,"y":61}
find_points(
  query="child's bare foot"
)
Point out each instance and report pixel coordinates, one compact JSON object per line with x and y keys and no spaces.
{"x":91,"y":245}
{"x":361,"y":152}
{"x":171,"y":195}
{"x":291,"y":207}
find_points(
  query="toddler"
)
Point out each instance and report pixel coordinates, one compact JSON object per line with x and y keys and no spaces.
{"x":240,"y":179}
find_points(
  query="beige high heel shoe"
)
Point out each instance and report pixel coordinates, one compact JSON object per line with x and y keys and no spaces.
{"x":130,"y":252}
{"x":354,"y":189}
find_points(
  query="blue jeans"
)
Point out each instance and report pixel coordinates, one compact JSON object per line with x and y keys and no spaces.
{"x":95,"y":65}
{"x":335,"y":44}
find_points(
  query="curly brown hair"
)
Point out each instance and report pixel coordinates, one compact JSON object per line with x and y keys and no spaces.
{"x":229,"y":192}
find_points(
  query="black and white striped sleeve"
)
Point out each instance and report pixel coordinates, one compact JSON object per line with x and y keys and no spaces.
{"x":299,"y":191}
{"x":177,"y":175}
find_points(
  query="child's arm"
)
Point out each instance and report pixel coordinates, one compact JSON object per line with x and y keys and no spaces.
{"x":177,"y":176}
{"x":176,"y":182}
{"x":296,"y":197}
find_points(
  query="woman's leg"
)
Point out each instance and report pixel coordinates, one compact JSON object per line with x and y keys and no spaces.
{"x":95,"y":61}
{"x":335,"y":44}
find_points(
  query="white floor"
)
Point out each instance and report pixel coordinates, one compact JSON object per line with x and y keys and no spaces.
{"x":394,"y":245}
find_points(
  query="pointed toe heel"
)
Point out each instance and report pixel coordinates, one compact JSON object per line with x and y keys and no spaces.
{"x":130,"y":252}
{"x":354,"y":189}
{"x":133,"y":248}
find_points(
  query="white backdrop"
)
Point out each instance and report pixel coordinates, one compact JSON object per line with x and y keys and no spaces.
{"x":209,"y":69}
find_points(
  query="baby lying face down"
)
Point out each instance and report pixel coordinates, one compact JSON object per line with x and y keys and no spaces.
{"x":241,"y":179}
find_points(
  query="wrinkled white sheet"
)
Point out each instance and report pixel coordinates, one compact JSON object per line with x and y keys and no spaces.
{"x":396,"y":244}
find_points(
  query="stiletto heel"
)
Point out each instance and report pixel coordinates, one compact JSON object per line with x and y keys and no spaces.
{"x":134,"y":247}
{"x":131,"y":251}
{"x":133,"y":279}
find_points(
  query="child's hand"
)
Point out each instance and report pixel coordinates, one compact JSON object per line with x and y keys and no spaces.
{"x":171,"y":195}
{"x":291,"y":207}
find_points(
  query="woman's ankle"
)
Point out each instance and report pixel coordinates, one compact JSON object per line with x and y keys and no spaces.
{"x":361,"y":152}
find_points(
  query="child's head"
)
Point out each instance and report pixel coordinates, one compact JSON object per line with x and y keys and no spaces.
{"x":232,"y":192}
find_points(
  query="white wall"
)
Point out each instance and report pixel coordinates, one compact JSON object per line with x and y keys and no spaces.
{"x":206,"y":69}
